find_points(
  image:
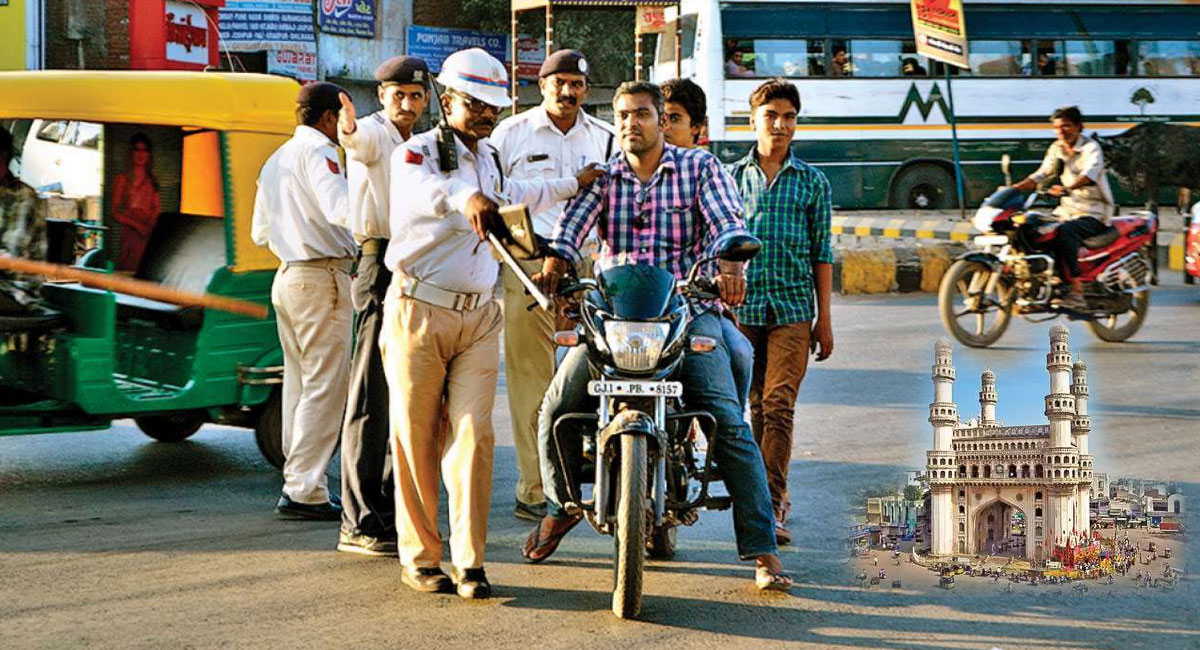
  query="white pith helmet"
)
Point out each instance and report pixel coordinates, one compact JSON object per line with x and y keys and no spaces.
{"x":476,"y":73}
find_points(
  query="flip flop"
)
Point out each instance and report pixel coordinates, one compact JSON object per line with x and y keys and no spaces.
{"x":537,"y":549}
{"x":768,"y":581}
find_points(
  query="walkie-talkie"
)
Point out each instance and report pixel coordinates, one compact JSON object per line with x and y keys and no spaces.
{"x":446,"y":151}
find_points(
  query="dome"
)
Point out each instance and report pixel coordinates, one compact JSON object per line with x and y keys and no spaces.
{"x":1080,"y":365}
{"x":1059,"y":333}
{"x":989,"y":376}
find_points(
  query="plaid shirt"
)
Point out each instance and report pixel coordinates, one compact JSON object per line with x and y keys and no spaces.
{"x":792,"y":218}
{"x":682,"y":214}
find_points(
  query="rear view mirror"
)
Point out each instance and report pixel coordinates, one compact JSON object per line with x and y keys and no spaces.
{"x":739,"y":248}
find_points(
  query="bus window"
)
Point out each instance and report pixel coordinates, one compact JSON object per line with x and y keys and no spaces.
{"x":788,"y":58}
{"x":999,"y":58}
{"x":1169,"y":58}
{"x":1050,"y":59}
{"x":878,"y":59}
{"x":739,"y":60}
{"x":1097,"y":58}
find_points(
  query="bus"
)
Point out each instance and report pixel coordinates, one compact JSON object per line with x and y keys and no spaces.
{"x":875,"y":115}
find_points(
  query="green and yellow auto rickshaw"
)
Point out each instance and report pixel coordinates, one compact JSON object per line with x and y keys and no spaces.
{"x":178,"y":155}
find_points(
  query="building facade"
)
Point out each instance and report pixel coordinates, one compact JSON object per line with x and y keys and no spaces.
{"x":1019,"y":490}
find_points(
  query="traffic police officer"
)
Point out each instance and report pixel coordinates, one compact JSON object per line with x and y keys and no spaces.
{"x":441,"y":328}
{"x":368,"y":494}
{"x":301,"y":213}
{"x":554,"y":140}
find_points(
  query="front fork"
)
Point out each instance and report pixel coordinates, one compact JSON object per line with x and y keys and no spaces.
{"x":629,"y":423}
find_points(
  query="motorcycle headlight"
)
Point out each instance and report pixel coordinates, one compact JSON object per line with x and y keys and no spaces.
{"x":635,"y":347}
{"x":984,"y":217}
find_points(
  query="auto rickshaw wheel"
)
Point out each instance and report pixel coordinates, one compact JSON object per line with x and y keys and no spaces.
{"x":268,"y":430}
{"x":172,"y":427}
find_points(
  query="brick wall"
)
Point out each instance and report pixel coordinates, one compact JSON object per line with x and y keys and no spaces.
{"x":90,"y":34}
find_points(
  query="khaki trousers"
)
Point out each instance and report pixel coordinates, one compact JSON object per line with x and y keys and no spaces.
{"x":313,"y":315}
{"x":528,"y":369}
{"x":430,"y":352}
{"x":780,"y":362}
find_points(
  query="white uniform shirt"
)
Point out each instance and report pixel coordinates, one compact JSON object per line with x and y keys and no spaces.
{"x":368,"y":157}
{"x":1095,"y":200}
{"x":531,"y":147}
{"x":301,"y":208}
{"x":432,"y":239}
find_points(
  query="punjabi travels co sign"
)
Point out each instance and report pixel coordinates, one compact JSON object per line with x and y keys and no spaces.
{"x":941,"y":30}
{"x":347,"y":17}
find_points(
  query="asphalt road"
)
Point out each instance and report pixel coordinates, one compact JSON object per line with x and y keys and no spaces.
{"x":108,"y":539}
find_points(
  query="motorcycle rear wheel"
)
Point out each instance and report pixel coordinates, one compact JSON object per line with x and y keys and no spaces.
{"x":954,"y":294}
{"x":629,"y":540}
{"x":1109,"y":330}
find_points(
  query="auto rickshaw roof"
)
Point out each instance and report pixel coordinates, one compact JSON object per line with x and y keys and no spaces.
{"x":214,"y":100}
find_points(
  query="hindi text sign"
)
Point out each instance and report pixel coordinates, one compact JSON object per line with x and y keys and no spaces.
{"x":941,"y":30}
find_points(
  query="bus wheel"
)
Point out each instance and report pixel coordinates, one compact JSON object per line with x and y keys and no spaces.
{"x":923,"y":187}
{"x":173,"y":427}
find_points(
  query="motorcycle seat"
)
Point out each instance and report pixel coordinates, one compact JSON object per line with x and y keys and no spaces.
{"x":1103,"y":239}
{"x":36,"y":322}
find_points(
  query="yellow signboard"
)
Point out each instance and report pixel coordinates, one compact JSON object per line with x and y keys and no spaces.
{"x":941,"y":30}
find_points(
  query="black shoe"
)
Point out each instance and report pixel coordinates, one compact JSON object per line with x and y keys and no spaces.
{"x":351,"y":542}
{"x":529,"y":511}
{"x":471,"y":583}
{"x":289,"y":509}
{"x":430,"y":581}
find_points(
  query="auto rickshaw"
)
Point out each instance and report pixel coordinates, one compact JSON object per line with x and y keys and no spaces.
{"x":92,"y":356}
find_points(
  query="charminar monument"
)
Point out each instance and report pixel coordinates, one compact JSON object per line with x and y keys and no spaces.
{"x":982,"y":473}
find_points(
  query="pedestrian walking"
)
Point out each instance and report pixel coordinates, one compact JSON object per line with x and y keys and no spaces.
{"x":555,"y":140}
{"x":786,"y":314}
{"x":301,"y":213}
{"x":441,"y":330}
{"x":368,"y":491}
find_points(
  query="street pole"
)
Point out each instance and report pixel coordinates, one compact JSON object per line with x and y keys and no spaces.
{"x":958,"y":175}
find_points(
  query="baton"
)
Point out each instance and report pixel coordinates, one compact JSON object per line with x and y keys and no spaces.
{"x":133,"y":287}
{"x":542,"y":299}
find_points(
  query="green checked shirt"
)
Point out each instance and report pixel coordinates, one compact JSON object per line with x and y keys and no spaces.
{"x":792,"y":218}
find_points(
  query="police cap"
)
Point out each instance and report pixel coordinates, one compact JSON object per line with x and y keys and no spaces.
{"x":403,"y":70}
{"x":569,"y":61}
{"x":321,"y":95}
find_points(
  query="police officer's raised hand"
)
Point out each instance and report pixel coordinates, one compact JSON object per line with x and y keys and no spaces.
{"x":588,"y":175}
{"x":346,"y":116}
{"x":483,"y":213}
{"x":551,"y":274}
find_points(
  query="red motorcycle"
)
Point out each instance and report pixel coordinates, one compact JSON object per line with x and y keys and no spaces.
{"x":1013,"y":272}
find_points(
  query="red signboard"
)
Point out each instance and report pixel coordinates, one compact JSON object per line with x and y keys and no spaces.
{"x":173,"y":35}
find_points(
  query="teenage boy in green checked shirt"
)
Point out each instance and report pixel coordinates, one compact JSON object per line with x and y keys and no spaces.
{"x":786,"y":313}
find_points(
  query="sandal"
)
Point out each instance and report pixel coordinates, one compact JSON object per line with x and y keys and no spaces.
{"x":538,"y":548}
{"x":765,"y":580}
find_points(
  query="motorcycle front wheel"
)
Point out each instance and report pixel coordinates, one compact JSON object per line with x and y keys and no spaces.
{"x":1118,"y":327}
{"x":629,"y":542}
{"x":970,"y":313}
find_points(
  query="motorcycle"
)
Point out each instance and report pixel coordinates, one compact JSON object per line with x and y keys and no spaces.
{"x":1012,"y":272}
{"x":641,"y":449}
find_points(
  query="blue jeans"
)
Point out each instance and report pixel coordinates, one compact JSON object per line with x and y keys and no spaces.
{"x":741,"y":358}
{"x":708,"y":385}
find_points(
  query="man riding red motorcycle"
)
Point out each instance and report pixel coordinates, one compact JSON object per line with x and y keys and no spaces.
{"x":1087,"y":202}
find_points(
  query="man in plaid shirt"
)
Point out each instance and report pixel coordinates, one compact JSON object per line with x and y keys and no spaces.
{"x":667,"y":207}
{"x":786,"y":314}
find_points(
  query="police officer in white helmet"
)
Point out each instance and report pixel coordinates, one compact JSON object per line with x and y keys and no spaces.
{"x":441,"y":330}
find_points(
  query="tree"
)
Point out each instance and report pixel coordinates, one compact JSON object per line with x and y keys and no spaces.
{"x":1142,"y":97}
{"x":605,"y":37}
{"x":913,"y":493}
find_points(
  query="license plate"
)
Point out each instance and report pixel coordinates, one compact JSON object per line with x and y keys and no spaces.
{"x":635,"y":388}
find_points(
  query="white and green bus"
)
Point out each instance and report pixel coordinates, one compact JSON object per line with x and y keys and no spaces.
{"x":875,"y":114}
